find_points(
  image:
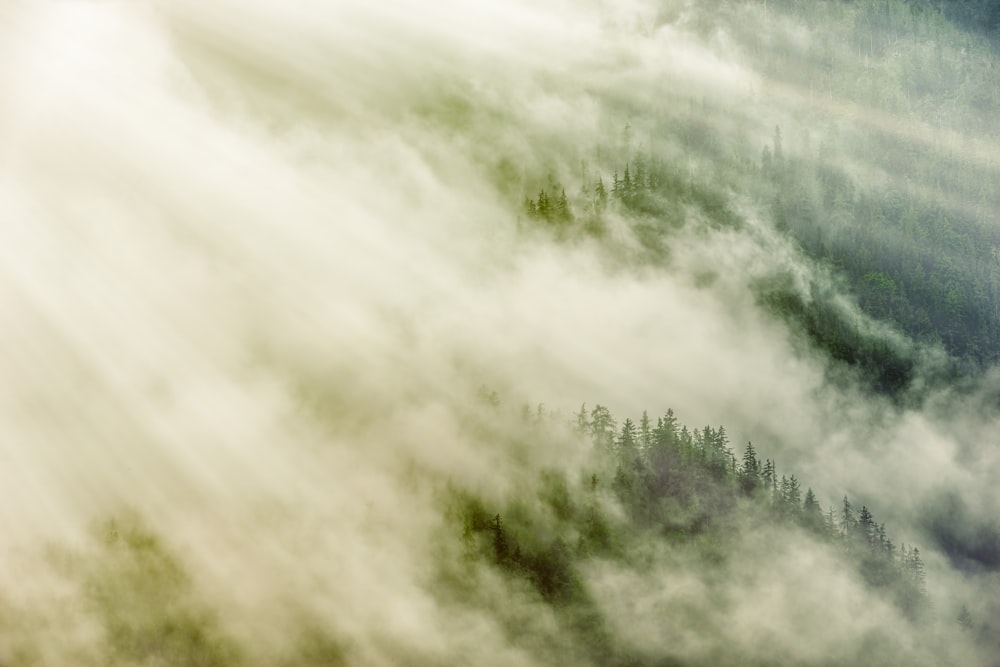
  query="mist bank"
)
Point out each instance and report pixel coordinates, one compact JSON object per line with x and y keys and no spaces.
{"x":260,"y":265}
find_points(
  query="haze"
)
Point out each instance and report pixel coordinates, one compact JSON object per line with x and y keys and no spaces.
{"x":260,"y":263}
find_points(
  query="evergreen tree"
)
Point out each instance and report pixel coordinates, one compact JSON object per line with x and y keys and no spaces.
{"x":600,"y":196}
{"x":847,"y":519}
{"x":645,"y":434}
{"x":792,"y":494}
{"x":866,"y":526}
{"x":530,"y":209}
{"x":768,"y":475}
{"x":830,"y":522}
{"x":602,"y":428}
{"x":543,"y":207}
{"x":812,"y":515}
{"x":628,"y":440}
{"x":561,"y":211}
{"x":750,"y":471}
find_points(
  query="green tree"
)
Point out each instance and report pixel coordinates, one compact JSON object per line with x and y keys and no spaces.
{"x":750,"y":471}
{"x":645,"y":433}
{"x":543,"y":208}
{"x":847,"y":519}
{"x":600,"y":196}
{"x":812,"y":515}
{"x":602,"y":428}
{"x":866,"y":526}
{"x":561,"y":212}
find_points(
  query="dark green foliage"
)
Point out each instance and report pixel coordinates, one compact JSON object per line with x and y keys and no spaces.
{"x":750,"y":472}
{"x":972,"y":544}
{"x":884,"y":364}
{"x":812,"y":514}
{"x":316,"y":648}
{"x":930,"y":270}
{"x":676,"y":486}
{"x":144,"y":600}
{"x":550,"y":206}
{"x":982,"y":15}
{"x":918,"y":249}
{"x":146,"y":609}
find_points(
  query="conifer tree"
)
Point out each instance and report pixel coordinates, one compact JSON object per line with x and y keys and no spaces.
{"x":645,"y":433}
{"x":602,"y":428}
{"x":767,"y":475}
{"x":600,"y":196}
{"x":792,"y":494}
{"x":847,"y":519}
{"x":529,"y":208}
{"x":750,"y":471}
{"x":866,"y":526}
{"x":812,"y":515}
{"x":543,"y":207}
{"x":561,"y":208}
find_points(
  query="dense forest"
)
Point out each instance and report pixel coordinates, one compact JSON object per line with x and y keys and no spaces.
{"x":686,"y":490}
{"x":284,"y":286}
{"x":918,"y":249}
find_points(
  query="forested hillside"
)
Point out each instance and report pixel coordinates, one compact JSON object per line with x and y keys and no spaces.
{"x":884,"y":175}
{"x":661,"y":492}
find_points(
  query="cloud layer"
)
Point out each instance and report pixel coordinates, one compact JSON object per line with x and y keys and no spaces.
{"x":257,"y":260}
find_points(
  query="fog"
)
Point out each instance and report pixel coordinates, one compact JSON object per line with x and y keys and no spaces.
{"x":257,"y":261}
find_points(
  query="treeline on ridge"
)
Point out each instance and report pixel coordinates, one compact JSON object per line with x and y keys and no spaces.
{"x":684,"y":488}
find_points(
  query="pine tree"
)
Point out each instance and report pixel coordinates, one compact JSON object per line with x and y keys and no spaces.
{"x":602,"y":428}
{"x":792,"y":494}
{"x":812,"y":515}
{"x":847,"y":519}
{"x":768,"y":474}
{"x":627,"y":439}
{"x":639,"y":173}
{"x":750,"y":471}
{"x":830,"y":522}
{"x":669,"y":428}
{"x":645,"y":433}
{"x":600,"y":196}
{"x":561,"y":211}
{"x":530,"y":209}
{"x":687,"y":445}
{"x":543,"y":207}
{"x":866,"y":526}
